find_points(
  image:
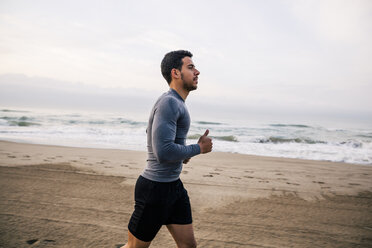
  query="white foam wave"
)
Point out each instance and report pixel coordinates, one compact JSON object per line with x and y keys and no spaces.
{"x":120,"y":132}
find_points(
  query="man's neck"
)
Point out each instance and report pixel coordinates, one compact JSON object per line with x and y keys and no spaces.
{"x":181,"y":91}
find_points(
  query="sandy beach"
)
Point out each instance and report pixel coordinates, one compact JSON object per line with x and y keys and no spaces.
{"x":78,"y":197}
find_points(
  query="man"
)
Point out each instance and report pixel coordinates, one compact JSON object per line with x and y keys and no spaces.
{"x":160,"y":198}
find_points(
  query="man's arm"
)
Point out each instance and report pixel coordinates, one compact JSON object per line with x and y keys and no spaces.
{"x":164,"y":129}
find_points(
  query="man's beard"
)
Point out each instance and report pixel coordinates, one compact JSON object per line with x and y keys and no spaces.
{"x":186,"y":86}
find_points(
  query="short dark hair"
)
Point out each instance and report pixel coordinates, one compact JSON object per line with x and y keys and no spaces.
{"x":173,"y":60}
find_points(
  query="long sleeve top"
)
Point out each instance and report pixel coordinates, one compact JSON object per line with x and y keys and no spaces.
{"x":167,"y":130}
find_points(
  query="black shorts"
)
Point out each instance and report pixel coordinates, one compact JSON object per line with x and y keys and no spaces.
{"x":158,"y":204}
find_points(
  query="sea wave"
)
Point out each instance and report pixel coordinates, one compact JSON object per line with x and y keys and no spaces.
{"x":103,"y":122}
{"x":290,"y":125}
{"x":368,"y":135}
{"x":276,"y":140}
{"x":23,"y":123}
{"x":279,"y":140}
{"x":230,"y":138}
{"x":352,"y":143}
{"x":131,"y":122}
{"x":208,"y":123}
{"x":12,"y":110}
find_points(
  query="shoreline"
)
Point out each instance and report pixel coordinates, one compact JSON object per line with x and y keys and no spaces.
{"x":128,"y":150}
{"x":83,"y":197}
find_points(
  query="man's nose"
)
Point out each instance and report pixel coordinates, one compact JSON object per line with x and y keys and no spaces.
{"x":197,"y":72}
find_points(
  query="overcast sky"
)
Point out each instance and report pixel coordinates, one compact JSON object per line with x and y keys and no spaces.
{"x":291,"y":57}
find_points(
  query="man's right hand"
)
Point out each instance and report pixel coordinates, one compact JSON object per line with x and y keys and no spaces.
{"x":205,"y":143}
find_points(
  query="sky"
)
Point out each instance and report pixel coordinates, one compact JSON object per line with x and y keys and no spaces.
{"x":290,"y":60}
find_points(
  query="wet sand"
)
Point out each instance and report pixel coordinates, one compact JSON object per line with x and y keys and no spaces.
{"x":54,"y":196}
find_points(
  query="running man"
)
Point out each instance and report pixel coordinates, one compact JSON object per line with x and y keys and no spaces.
{"x":160,"y":198}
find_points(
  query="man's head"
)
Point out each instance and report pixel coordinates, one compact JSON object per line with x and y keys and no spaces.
{"x":173,"y":60}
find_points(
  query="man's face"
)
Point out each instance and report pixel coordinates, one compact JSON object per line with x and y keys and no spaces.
{"x":189,"y":74}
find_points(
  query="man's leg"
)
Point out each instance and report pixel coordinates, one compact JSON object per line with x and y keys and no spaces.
{"x":145,"y":221}
{"x":133,"y":242}
{"x":183,"y":235}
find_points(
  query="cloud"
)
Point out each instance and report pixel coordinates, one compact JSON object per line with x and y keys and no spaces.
{"x":257,"y":54}
{"x":17,"y":90}
{"x":336,"y":21}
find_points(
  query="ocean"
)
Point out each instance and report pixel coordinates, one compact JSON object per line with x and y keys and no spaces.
{"x":118,"y":131}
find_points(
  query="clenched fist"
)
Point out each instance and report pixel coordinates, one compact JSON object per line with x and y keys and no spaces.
{"x":205,"y":143}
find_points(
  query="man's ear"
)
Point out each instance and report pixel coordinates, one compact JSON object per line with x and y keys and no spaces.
{"x":175,"y":73}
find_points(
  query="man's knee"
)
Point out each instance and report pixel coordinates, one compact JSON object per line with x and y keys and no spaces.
{"x":189,"y":244}
{"x":133,"y":242}
{"x":193,"y":245}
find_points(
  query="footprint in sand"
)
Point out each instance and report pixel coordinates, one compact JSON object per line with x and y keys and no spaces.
{"x":282,"y":179}
{"x":354,"y":184}
{"x":214,"y":173}
{"x":293,"y":183}
{"x":48,"y":241}
{"x":236,"y":178}
{"x":249,"y":177}
{"x":31,"y":241}
{"x":207,"y":175}
{"x":11,"y":156}
{"x":184,"y":172}
{"x":279,"y":174}
{"x":26,"y":157}
{"x":319,"y":182}
{"x":45,"y":241}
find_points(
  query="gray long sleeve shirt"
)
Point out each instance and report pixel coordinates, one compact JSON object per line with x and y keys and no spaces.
{"x":167,"y":130}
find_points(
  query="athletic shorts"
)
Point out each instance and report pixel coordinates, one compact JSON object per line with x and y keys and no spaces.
{"x":158,"y":204}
